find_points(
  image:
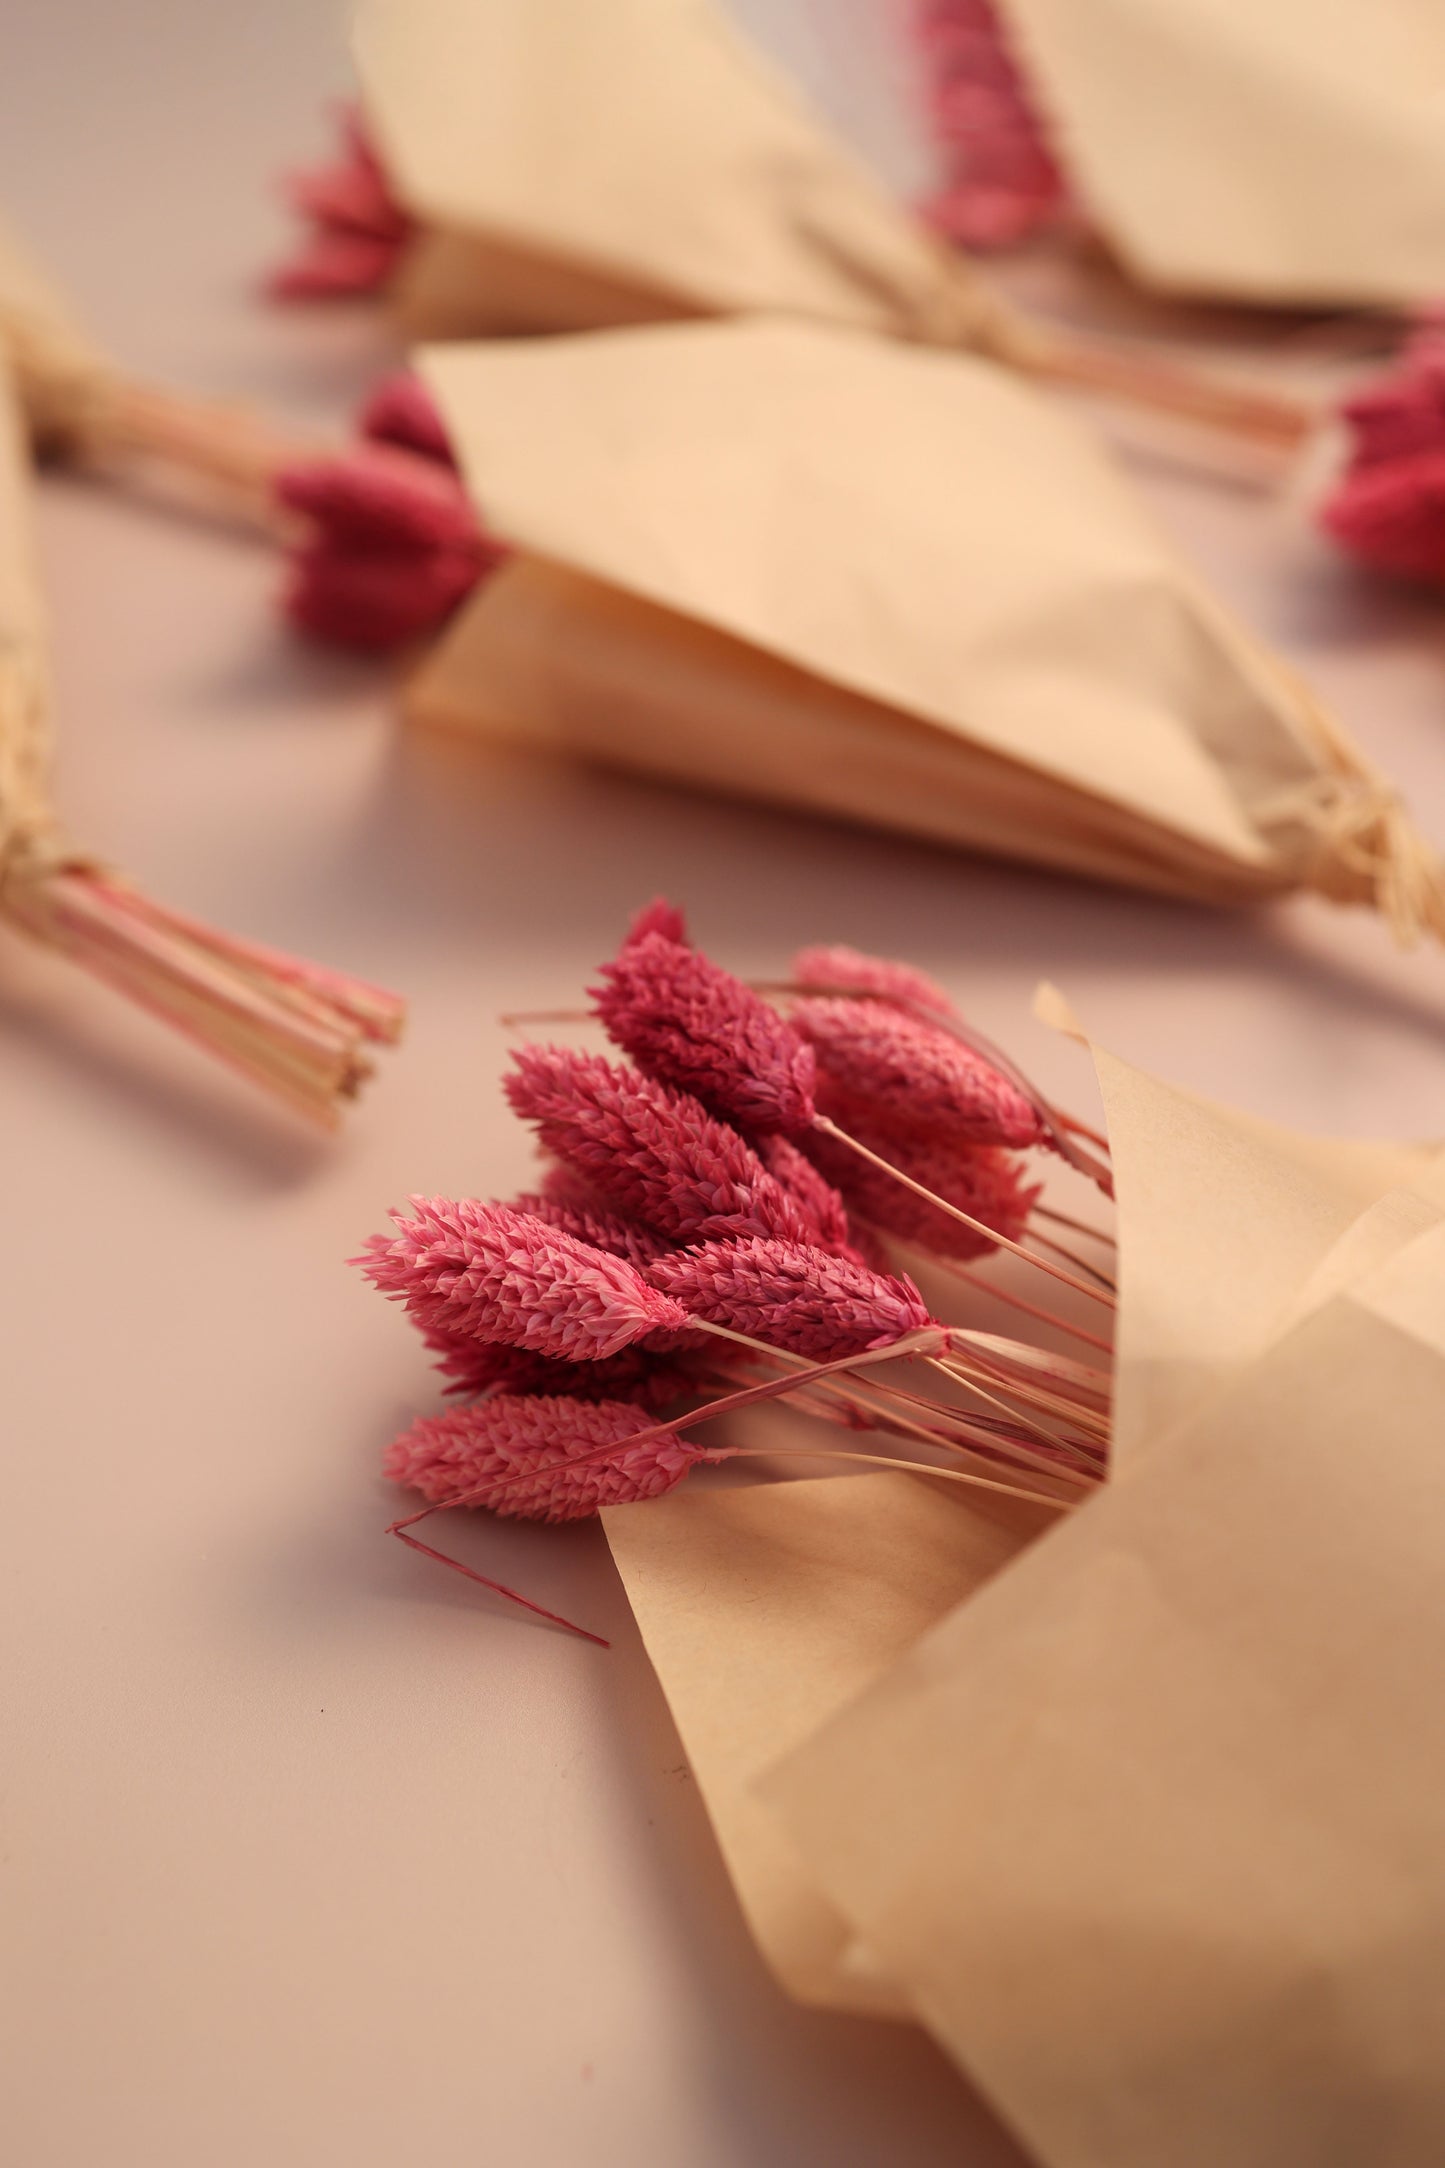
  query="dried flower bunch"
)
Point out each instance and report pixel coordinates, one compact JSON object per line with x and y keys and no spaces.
{"x":723,"y":1220}
{"x":301,"y":1031}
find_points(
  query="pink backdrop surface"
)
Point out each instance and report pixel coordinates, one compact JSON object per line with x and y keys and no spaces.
{"x":309,"y":1853}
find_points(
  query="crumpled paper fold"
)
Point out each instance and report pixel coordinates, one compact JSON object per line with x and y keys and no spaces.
{"x":805,"y":565}
{"x":1145,"y":1830}
{"x":1290,"y":154}
{"x":571,"y":166}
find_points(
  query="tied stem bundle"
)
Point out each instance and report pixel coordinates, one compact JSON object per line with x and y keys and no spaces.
{"x":715,"y":1230}
{"x":296,"y":1029}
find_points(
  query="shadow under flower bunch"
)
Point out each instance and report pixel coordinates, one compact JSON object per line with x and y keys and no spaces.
{"x":716,"y":1226}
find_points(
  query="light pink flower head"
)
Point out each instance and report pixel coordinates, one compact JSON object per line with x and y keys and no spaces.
{"x":662,"y":917}
{"x":590,"y":1222}
{"x":500,"y":1275}
{"x":693,"y":1025}
{"x":510,"y":1456}
{"x":655,"y":1154}
{"x":356,"y":229}
{"x":400,"y":410}
{"x":813,"y":1194}
{"x":842,"y":970}
{"x":913,"y":1077}
{"x":792,"y":1296}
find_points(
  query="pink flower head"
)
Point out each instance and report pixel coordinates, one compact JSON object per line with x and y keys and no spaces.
{"x":913,"y":1077}
{"x":1002,"y":181}
{"x":371,"y":601}
{"x":500,"y":1275}
{"x":792,"y":1296}
{"x":848,"y":971}
{"x":393,"y":546}
{"x":1390,"y":513}
{"x":356,"y":231}
{"x":1402,"y":411}
{"x":693,"y":1025}
{"x":814,"y":1196}
{"x":588,"y":1221}
{"x":662,"y":917}
{"x":981,"y":1180}
{"x":400,"y":410}
{"x":656,"y":1154}
{"x":375,"y":496}
{"x":637,"y":1374}
{"x":511,"y":1456}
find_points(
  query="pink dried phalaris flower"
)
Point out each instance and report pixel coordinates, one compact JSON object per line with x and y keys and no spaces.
{"x":811,"y":1191}
{"x":1002,"y":181}
{"x":637,"y":1374}
{"x":376,"y":496}
{"x":914,"y":1078}
{"x":510,"y":1455}
{"x":662,"y":917}
{"x":989,"y":1184}
{"x":355,"y":229}
{"x":1387,"y":506}
{"x":654,"y":1153}
{"x":372,"y":602}
{"x":400,"y":410}
{"x":1391,"y":515}
{"x":583,"y":1217}
{"x":841,"y":970}
{"x":392,"y":546}
{"x":691,"y":1024}
{"x":499,"y":1275}
{"x":793,"y":1296}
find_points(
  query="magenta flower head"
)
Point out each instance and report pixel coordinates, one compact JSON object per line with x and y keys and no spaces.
{"x":691,"y":1024}
{"x":511,"y":1456}
{"x":636,"y":1374}
{"x":400,"y":410}
{"x":662,"y":917}
{"x":793,"y":1296}
{"x":356,"y":230}
{"x":392,"y":546}
{"x":813,"y":1194}
{"x":913,"y":1077}
{"x":590,"y":1222}
{"x":990,"y":1185}
{"x":849,"y":971}
{"x":500,"y":1275}
{"x":655,"y":1154}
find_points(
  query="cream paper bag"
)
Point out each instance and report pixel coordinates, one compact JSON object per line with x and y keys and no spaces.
{"x":1291,"y":153}
{"x":56,"y":369}
{"x":1150,"y":1832}
{"x":811,"y":567}
{"x":572,"y":165}
{"x":766,"y":1610}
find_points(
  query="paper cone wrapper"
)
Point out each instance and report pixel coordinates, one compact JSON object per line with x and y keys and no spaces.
{"x":833,"y":572}
{"x":766,"y":1610}
{"x":572,"y":165}
{"x":56,"y":369}
{"x":1288,"y":154}
{"x":1149,"y":1832}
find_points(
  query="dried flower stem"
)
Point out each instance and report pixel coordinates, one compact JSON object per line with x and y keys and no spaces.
{"x":1061,"y":1249}
{"x":1082,"y":1227}
{"x":830,"y":1128}
{"x":1007,"y":1296}
{"x":498,"y":1588}
{"x":289,"y":1026}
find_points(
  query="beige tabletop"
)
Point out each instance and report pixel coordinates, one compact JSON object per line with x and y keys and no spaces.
{"x":310,"y":1852}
